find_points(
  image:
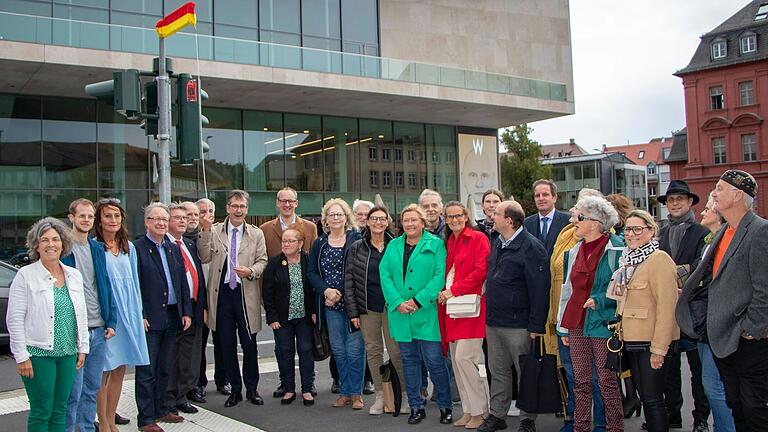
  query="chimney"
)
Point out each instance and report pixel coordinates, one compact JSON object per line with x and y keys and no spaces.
{"x":572,"y":141}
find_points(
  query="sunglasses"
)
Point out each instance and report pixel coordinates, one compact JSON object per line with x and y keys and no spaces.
{"x":582,"y":218}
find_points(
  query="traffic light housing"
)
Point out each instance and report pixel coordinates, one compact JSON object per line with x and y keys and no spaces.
{"x":149,"y":105}
{"x":123,"y":91}
{"x":190,"y":119}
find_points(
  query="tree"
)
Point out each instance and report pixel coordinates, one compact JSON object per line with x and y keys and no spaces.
{"x":520,"y":167}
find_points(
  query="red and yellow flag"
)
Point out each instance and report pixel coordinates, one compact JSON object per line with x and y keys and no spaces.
{"x":176,"y":20}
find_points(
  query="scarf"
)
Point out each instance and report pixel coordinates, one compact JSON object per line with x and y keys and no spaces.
{"x":582,"y":276}
{"x":677,"y":228}
{"x":628,"y":262}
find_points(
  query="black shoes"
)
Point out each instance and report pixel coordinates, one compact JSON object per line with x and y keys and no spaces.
{"x":279,"y":391}
{"x":700,"y":426}
{"x":121,"y":420}
{"x":225,"y":389}
{"x":288,"y":400}
{"x":196,"y":396}
{"x":308,"y":402}
{"x":233,"y":400}
{"x":632,"y":406}
{"x":254,"y":397}
{"x":313,"y":391}
{"x":187,"y":408}
{"x":492,"y":424}
{"x":368,"y":388}
{"x":417,"y":415}
{"x":335,"y":389}
{"x":527,"y":425}
{"x":446,"y":416}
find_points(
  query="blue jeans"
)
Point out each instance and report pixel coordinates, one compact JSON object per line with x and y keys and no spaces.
{"x":349,"y":351}
{"x":715,"y":390}
{"x":81,"y":407}
{"x":431,"y":353}
{"x":598,"y":409}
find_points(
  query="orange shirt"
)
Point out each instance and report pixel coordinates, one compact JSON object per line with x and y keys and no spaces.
{"x":721,"y":248}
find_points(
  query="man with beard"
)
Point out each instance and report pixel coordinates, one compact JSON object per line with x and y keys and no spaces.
{"x":683,"y":239}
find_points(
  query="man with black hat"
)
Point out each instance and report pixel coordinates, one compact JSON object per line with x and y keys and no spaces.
{"x":733,"y":316}
{"x":683,"y":239}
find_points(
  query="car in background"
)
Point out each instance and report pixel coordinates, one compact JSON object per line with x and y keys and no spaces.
{"x":7,"y":273}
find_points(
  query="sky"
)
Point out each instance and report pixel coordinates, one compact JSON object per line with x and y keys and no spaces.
{"x":624,"y":55}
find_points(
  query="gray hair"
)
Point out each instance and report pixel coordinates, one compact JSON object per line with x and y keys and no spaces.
{"x":749,"y":201}
{"x":177,"y":206}
{"x":585,"y":192}
{"x":206,"y":201}
{"x":599,"y":208}
{"x":357,"y":203}
{"x":43,"y":225}
{"x":189,"y":204}
{"x":153,"y":205}
{"x":429,"y":192}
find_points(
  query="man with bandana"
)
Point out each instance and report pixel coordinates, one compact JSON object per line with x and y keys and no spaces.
{"x":683,"y":239}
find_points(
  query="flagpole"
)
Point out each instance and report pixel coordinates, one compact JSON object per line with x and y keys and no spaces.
{"x":164,"y":126}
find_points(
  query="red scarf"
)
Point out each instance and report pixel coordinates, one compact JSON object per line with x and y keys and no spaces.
{"x":582,"y":278}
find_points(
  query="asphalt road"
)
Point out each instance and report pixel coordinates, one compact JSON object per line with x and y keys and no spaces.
{"x":274,"y":417}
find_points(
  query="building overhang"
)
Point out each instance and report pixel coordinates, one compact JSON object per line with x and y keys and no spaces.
{"x":29,"y":68}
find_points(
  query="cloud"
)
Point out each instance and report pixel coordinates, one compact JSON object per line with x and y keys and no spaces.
{"x":624,"y":55}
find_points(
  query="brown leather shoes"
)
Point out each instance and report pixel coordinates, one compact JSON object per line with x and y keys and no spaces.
{"x":152,"y":427}
{"x":357,"y":402}
{"x":171,"y":418}
{"x":342,"y":401}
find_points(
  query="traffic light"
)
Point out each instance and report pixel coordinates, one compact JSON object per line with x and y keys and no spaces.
{"x":189,"y":128}
{"x":123,"y":91}
{"x":149,"y":105}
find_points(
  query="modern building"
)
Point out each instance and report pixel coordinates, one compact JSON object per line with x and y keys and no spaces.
{"x":606,"y":172}
{"x":336,"y":98}
{"x":651,"y":155}
{"x":726,"y":94}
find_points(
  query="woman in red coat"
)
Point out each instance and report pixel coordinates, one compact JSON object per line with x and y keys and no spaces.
{"x":467,"y":260}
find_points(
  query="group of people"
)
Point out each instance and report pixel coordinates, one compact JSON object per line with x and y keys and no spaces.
{"x":442,"y":297}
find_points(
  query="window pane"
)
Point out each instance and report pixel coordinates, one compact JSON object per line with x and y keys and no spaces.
{"x":409,"y":139}
{"x":376,"y":134}
{"x":236,"y":13}
{"x":745,"y":93}
{"x":123,"y":150}
{"x":441,"y":140}
{"x":224,"y":161}
{"x":203,"y":8}
{"x":343,"y":149}
{"x":321,"y":18}
{"x":146,"y":7}
{"x":27,"y":7}
{"x":749,"y":145}
{"x":20,"y":136}
{"x":304,"y":155}
{"x":360,"y":21}
{"x":280,"y":15}
{"x":264,"y":162}
{"x":69,"y":142}
{"x":18,"y":211}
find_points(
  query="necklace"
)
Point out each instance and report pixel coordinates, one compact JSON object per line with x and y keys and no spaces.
{"x":113,"y":248}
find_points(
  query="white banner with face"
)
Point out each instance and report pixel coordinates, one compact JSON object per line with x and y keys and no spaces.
{"x":478,"y":168}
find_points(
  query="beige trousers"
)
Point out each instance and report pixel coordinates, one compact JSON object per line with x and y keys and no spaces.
{"x":374,"y":325}
{"x":466,"y":356}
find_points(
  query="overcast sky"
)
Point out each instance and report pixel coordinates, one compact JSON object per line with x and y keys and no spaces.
{"x":624,"y":55}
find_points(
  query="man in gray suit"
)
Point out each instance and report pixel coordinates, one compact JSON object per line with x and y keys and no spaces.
{"x":725,"y":301}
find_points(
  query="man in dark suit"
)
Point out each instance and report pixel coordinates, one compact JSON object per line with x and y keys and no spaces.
{"x":731,"y":311}
{"x":166,"y":305}
{"x":683,"y":239}
{"x":547,"y":223}
{"x":189,"y":342}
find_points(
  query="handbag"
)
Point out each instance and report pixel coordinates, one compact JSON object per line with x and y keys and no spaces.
{"x":539,"y":385}
{"x":393,"y":396}
{"x":321,"y":345}
{"x":615,"y":346}
{"x":464,"y":306}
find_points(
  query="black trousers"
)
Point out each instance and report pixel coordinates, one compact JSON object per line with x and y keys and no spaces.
{"x":152,"y":379}
{"x":650,"y":384}
{"x":296,"y":336}
{"x":231,"y":324}
{"x":745,"y":376}
{"x":219,"y":375}
{"x":673,"y":391}
{"x":189,"y":346}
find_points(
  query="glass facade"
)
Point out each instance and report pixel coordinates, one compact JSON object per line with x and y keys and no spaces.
{"x":53,"y":150}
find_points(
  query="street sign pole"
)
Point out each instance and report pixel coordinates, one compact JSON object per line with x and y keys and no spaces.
{"x":164,"y":127}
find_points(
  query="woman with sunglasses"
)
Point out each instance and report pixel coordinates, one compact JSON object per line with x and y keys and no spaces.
{"x":646,"y":282}
{"x":290,"y":310}
{"x":365,"y":300}
{"x":585,"y":309}
{"x":129,"y":345}
{"x":326,"y":274}
{"x":467,"y":257}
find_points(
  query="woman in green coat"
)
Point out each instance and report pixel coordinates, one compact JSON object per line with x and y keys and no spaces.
{"x":412,"y":275}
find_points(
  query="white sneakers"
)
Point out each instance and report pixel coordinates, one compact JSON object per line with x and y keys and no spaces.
{"x":514,"y":411}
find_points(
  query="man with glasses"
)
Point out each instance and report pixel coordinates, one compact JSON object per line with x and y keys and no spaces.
{"x":207,"y":210}
{"x":189,"y":342}
{"x":237,"y":255}
{"x":167,"y":310}
{"x":683,"y":239}
{"x":287,"y":202}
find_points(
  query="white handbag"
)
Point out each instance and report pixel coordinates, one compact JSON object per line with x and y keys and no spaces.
{"x":465,"y":306}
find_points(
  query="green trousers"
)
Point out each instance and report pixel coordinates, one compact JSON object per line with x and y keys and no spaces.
{"x":48,"y":392}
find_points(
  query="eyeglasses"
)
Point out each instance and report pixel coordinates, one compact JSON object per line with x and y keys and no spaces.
{"x":158,"y":219}
{"x":206,"y":211}
{"x":335,"y":215}
{"x":287,"y":201}
{"x":454,"y":216}
{"x":636,"y":230}
{"x":380,"y":219}
{"x":582,"y":218}
{"x":237,"y":206}
{"x":289,"y":241}
{"x":179,"y":218}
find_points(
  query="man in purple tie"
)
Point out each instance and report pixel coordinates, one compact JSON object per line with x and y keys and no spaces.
{"x":237,"y":256}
